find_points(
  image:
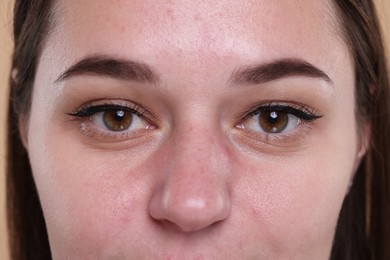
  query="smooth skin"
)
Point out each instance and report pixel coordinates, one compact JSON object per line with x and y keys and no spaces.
{"x":195,"y":176}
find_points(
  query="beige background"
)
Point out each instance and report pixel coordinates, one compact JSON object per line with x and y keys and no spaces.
{"x":5,"y":50}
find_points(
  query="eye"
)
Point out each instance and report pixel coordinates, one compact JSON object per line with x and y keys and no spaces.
{"x":276,"y":122}
{"x":277,"y":119}
{"x":112,"y":119}
{"x":118,"y":120}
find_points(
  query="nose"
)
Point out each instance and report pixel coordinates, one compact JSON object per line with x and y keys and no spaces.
{"x":193,"y":193}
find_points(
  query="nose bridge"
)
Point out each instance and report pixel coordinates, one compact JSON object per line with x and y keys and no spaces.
{"x":197,"y":146}
{"x":198,"y":141}
{"x":197,"y":168}
{"x":199,"y":152}
{"x":194,"y":193}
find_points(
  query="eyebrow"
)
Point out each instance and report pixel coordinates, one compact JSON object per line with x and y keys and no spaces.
{"x":111,"y":67}
{"x":276,"y":70}
{"x":131,"y":70}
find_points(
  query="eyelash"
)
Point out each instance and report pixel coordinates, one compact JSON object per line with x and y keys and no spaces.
{"x":303,"y":112}
{"x":90,"y":110}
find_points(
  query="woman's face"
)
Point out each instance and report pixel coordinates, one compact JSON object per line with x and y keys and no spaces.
{"x":193,"y":129}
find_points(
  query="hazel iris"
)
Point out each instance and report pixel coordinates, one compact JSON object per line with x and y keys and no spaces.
{"x":117,"y":120}
{"x":273,"y":122}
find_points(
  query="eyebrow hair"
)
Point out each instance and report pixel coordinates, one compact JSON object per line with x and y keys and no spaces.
{"x":278,"y":69}
{"x":111,"y":67}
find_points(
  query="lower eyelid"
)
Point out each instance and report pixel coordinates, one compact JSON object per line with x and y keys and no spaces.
{"x":88,"y":129}
{"x":270,"y":143}
{"x":100,"y":135}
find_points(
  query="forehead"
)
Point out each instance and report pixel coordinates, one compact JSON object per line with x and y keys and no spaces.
{"x":224,"y":27}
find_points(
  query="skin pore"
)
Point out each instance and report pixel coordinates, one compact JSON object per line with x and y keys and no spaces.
{"x":150,"y":133}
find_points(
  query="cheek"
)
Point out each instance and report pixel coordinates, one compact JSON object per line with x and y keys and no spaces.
{"x":297,"y":198}
{"x":89,"y":196}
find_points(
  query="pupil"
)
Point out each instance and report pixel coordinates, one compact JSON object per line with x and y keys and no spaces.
{"x":119,"y":115}
{"x":273,"y":118}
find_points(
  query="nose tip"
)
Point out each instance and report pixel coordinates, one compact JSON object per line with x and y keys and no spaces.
{"x":190,"y":213}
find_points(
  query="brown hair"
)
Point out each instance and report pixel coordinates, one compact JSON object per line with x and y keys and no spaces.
{"x":26,"y":225}
{"x":363,"y":231}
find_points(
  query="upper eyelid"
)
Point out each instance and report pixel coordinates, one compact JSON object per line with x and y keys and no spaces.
{"x":94,"y":109}
{"x":102,"y":105}
{"x":281,"y":107}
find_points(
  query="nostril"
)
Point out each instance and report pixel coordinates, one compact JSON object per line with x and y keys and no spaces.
{"x":187,"y":227}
